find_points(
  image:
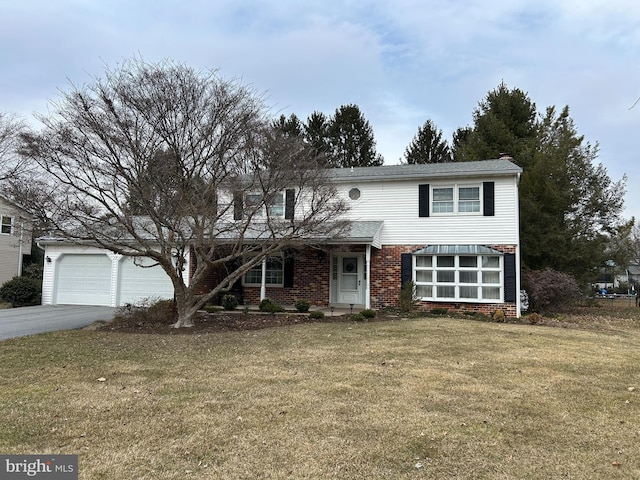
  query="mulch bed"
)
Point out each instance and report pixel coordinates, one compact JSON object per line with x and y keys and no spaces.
{"x":225,"y":322}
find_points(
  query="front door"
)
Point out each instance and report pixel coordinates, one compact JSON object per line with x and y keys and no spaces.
{"x":350,"y":279}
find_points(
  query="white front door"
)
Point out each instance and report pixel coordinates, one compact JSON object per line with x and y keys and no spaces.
{"x":350,"y":279}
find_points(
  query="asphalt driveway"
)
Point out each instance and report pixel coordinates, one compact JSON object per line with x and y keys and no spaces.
{"x":17,"y":322}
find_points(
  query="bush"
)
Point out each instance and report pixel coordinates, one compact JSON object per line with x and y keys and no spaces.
{"x":368,"y":313}
{"x":549,"y":289}
{"x":21,"y":292}
{"x":303,"y":306}
{"x":229,"y":302}
{"x":269,"y":306}
{"x":534,"y":318}
{"x":499,"y":316}
{"x":149,"y":310}
{"x":439,"y":311}
{"x":357,"y":317}
{"x":407,"y":301}
{"x":316,"y":314}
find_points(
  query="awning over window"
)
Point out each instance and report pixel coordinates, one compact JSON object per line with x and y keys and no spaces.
{"x":457,"y":250}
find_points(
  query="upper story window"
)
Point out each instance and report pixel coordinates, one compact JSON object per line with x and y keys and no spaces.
{"x":6,"y":225}
{"x":275,"y":206}
{"x":455,"y":199}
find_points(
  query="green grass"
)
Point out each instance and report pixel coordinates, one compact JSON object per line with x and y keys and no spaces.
{"x":423,"y":398}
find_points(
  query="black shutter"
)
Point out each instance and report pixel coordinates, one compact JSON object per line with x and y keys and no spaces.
{"x":509,"y":277}
{"x":423,"y":200}
{"x":289,"y":203}
{"x":288,"y":270}
{"x":238,"y":206}
{"x":488,"y":198}
{"x":406,"y":267}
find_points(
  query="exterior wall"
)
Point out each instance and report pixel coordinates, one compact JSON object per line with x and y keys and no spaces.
{"x":396,"y":203}
{"x":12,"y":246}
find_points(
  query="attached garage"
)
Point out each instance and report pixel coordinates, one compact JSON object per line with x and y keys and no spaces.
{"x":140,"y":278}
{"x":83,"y":280}
{"x":82,"y":275}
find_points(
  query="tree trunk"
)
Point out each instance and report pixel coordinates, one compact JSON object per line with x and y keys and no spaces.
{"x":186,"y":308}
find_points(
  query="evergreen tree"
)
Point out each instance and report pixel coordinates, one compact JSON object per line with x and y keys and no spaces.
{"x":351,"y":140}
{"x":428,"y":146}
{"x":291,"y":126}
{"x":316,"y":134}
{"x":569,"y":207}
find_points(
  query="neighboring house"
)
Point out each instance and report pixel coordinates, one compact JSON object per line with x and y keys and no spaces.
{"x":452,"y":228}
{"x":15,"y":239}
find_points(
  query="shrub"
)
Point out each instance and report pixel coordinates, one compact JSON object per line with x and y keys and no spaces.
{"x":269,"y":306}
{"x":549,"y":289}
{"x":534,"y":318}
{"x":21,"y":292}
{"x":407,"y":301}
{"x":499,"y":316}
{"x":316,"y":314}
{"x":357,"y":317}
{"x":302,"y":306}
{"x":229,"y":302}
{"x":368,"y":313}
{"x":439,"y":311}
{"x":264,"y":304}
{"x":149,"y":310}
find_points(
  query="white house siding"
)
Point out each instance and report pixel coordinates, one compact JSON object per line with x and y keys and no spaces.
{"x":123,"y":285}
{"x":12,"y":245}
{"x":396,"y":203}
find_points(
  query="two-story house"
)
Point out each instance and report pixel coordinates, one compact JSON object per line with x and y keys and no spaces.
{"x":451,"y":228}
{"x":15,"y":239}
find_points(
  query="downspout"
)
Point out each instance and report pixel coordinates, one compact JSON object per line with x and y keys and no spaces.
{"x":20,"y":242}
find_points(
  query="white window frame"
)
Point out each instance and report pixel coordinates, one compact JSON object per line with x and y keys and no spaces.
{"x":256,"y":272}
{"x":4,"y":225}
{"x":436,"y":205}
{"x":275,"y":209}
{"x":436,"y":275}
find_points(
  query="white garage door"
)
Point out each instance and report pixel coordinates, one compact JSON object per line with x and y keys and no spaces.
{"x":83,"y":280}
{"x":141,"y":279}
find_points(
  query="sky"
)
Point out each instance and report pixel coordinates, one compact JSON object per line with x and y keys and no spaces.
{"x":401,"y":62}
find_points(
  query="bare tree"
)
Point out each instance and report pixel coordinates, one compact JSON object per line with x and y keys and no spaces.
{"x":10,"y":162}
{"x":163,"y":161}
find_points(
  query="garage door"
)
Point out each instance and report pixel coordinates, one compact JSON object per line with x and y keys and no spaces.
{"x":141,"y":279}
{"x":83,"y":280}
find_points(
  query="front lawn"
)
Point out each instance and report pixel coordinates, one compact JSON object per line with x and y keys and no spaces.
{"x":422,"y":398}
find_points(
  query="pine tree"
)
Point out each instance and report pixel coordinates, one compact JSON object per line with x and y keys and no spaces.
{"x":428,"y":146}
{"x":351,"y":141}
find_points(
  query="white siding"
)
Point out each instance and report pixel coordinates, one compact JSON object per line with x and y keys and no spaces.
{"x":12,"y":245}
{"x":396,"y":203}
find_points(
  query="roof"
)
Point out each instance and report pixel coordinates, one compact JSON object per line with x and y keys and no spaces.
{"x":362,"y":232}
{"x":500,"y":167}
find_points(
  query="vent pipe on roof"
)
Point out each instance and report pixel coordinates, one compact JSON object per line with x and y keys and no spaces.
{"x":506,"y":156}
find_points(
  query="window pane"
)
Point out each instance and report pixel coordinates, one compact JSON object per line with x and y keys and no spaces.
{"x":492,"y":293}
{"x":442,"y":207}
{"x":446,"y":292}
{"x":6,"y":225}
{"x":442,"y":194}
{"x":491,"y":277}
{"x":468,"y":277}
{"x":468,"y":292}
{"x":469,"y":261}
{"x":490,"y":262}
{"x":424,"y":276}
{"x":276,"y":208}
{"x":468,"y":206}
{"x":423,"y":291}
{"x":253,"y":276}
{"x":469,"y":193}
{"x":423,"y":261}
{"x":446,"y":261}
{"x":446,"y":276}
